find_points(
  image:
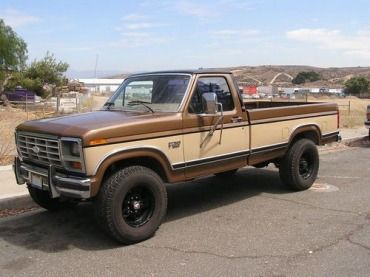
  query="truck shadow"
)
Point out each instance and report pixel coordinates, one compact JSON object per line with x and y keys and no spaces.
{"x":55,"y":232}
{"x":212,"y":192}
{"x":363,"y":143}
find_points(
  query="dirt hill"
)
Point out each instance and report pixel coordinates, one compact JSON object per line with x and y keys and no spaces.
{"x":331,"y":77}
{"x":265,"y":74}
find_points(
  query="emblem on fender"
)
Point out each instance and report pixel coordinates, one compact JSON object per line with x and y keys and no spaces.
{"x":174,"y":144}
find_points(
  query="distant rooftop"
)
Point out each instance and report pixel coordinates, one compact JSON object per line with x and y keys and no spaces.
{"x":186,"y":71}
{"x":93,"y":81}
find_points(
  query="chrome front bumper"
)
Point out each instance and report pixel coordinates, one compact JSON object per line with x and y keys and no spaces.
{"x":56,"y":183}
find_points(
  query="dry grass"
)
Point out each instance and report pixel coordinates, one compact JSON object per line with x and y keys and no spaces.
{"x":9,"y":119}
{"x":352,"y":110}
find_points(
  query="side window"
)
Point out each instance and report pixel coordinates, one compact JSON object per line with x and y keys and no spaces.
{"x":217,"y":85}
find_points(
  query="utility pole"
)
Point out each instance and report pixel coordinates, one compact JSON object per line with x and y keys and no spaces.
{"x":95,"y":70}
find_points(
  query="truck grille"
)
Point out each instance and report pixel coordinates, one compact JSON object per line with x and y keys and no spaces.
{"x":44,"y":150}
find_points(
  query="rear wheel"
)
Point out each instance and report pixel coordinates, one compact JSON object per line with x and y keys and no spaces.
{"x":131,"y":204}
{"x":43,"y":199}
{"x":300,"y":166}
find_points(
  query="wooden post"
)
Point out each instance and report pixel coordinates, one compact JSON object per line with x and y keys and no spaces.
{"x":349,"y":107}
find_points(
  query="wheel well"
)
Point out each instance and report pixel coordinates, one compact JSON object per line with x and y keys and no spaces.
{"x":311,"y":135}
{"x":148,"y":162}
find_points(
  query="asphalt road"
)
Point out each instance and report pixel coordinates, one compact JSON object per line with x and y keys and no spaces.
{"x":249,"y":225}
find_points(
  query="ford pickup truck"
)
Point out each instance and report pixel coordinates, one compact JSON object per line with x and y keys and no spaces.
{"x":165,"y":127}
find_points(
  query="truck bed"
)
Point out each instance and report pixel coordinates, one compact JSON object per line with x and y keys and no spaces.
{"x":262,"y":111}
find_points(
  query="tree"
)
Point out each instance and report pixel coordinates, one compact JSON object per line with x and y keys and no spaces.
{"x":41,"y":73}
{"x":13,"y":55}
{"x":304,"y":76}
{"x":357,"y":85}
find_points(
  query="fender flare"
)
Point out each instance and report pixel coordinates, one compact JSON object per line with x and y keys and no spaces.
{"x":307,"y":128}
{"x":134,"y":153}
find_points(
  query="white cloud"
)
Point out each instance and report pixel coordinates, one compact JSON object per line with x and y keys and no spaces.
{"x":357,"y":45}
{"x":16,"y":18}
{"x":233,"y":32}
{"x":134,"y":17}
{"x":139,"y":39}
{"x":136,"y":30}
{"x":200,"y":11}
{"x":206,"y":11}
{"x":142,"y":25}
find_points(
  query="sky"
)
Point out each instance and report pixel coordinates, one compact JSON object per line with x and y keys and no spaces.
{"x":131,"y":36}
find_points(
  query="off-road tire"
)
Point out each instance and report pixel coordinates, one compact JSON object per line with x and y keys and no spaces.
{"x":43,"y":199}
{"x":300,"y":165}
{"x":226,"y":174}
{"x":115,"y":210}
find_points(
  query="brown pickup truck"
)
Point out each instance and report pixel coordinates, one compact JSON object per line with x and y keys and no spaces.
{"x":165,"y":127}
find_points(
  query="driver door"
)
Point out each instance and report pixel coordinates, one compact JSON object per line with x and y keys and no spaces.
{"x":227,"y":148}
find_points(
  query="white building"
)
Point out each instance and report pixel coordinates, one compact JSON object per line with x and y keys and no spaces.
{"x":101,"y":85}
{"x":336,"y":90}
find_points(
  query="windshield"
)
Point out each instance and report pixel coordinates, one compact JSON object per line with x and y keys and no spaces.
{"x":151,"y":93}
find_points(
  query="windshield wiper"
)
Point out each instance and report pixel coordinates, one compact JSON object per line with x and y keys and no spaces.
{"x":108,"y":105}
{"x":138,"y":102}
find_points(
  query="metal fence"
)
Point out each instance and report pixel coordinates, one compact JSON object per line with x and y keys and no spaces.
{"x":56,"y":105}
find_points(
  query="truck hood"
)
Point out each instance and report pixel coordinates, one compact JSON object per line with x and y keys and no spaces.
{"x":114,"y":126}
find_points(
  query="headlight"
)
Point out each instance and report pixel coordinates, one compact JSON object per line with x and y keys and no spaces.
{"x":70,"y":148}
{"x":74,"y":149}
{"x":72,"y":157}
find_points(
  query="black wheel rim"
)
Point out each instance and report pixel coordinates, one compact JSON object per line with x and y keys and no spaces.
{"x":138,"y":206}
{"x":306,"y":165}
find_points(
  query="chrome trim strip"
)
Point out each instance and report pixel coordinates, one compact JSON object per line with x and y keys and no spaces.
{"x":242,"y":153}
{"x":330,"y":133}
{"x":38,"y":171}
{"x":84,"y":182}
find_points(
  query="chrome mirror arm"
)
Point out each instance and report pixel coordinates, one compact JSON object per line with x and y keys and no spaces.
{"x":219,"y":120}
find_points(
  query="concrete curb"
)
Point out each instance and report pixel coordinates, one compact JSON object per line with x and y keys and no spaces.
{"x":353,"y":139}
{"x":6,"y":167}
{"x":17,"y":202}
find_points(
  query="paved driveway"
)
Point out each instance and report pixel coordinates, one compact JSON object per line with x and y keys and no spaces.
{"x":249,"y":225}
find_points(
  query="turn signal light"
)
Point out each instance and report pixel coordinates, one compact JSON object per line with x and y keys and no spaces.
{"x":76,"y":165}
{"x":98,"y":141}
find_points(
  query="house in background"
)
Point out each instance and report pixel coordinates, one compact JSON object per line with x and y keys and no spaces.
{"x":101,"y":85}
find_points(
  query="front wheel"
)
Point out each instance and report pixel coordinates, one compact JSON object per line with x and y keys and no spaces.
{"x":131,"y":204}
{"x":300,"y":165}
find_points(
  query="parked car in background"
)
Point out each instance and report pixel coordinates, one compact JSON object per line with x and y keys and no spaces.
{"x":367,"y":122}
{"x":21,"y":95}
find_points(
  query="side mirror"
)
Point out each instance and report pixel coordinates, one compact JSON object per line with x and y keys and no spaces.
{"x":209,"y":101}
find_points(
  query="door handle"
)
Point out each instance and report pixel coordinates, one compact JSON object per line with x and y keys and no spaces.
{"x":236,"y":119}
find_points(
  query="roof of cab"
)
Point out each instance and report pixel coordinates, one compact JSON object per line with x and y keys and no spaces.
{"x":190,"y":71}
